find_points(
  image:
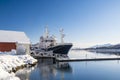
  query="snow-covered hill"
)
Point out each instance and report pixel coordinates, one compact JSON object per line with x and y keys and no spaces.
{"x":103,"y":45}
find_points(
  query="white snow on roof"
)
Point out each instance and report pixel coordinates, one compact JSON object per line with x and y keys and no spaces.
{"x":13,"y":36}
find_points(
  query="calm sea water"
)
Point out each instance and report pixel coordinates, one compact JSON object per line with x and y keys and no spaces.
{"x":47,"y":69}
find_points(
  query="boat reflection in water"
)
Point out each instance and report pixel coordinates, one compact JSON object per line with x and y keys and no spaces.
{"x":63,"y":67}
{"x":47,"y":69}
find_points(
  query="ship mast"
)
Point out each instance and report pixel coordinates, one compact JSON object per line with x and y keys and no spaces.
{"x":62,"y":35}
{"x":46,"y":32}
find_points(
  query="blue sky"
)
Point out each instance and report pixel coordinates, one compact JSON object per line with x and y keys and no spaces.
{"x":85,"y":22}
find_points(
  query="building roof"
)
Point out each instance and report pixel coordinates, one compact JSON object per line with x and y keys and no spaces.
{"x":14,"y":36}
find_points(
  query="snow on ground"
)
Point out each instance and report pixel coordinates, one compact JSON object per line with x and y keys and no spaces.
{"x":9,"y":61}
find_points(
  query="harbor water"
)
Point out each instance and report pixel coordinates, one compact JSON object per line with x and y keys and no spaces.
{"x":48,"y":69}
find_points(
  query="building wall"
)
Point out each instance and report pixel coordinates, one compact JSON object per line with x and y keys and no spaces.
{"x":26,"y":47}
{"x":4,"y":46}
{"x":7,"y":46}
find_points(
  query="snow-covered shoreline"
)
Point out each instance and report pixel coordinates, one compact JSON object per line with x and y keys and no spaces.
{"x":10,"y":62}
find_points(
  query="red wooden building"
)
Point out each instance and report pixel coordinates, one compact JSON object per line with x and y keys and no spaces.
{"x":12,"y":39}
{"x":7,"y":46}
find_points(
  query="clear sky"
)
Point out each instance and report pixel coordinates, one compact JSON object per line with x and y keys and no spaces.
{"x":85,"y":22}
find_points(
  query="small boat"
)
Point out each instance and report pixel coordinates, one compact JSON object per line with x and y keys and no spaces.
{"x":49,"y":47}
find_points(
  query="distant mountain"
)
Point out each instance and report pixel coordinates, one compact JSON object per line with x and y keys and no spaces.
{"x":117,"y":46}
{"x":76,"y":49}
{"x":104,"y":46}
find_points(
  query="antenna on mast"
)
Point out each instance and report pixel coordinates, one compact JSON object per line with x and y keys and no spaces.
{"x":62,"y":35}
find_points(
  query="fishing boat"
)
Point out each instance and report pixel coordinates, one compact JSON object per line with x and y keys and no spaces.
{"x":49,"y":47}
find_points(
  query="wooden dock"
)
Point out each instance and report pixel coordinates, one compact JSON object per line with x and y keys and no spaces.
{"x":95,"y":59}
{"x":61,"y":59}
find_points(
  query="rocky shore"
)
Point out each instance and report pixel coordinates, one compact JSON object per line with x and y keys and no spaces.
{"x":10,"y":63}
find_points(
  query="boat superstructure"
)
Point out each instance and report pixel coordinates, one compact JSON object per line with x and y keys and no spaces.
{"x":48,"y":45}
